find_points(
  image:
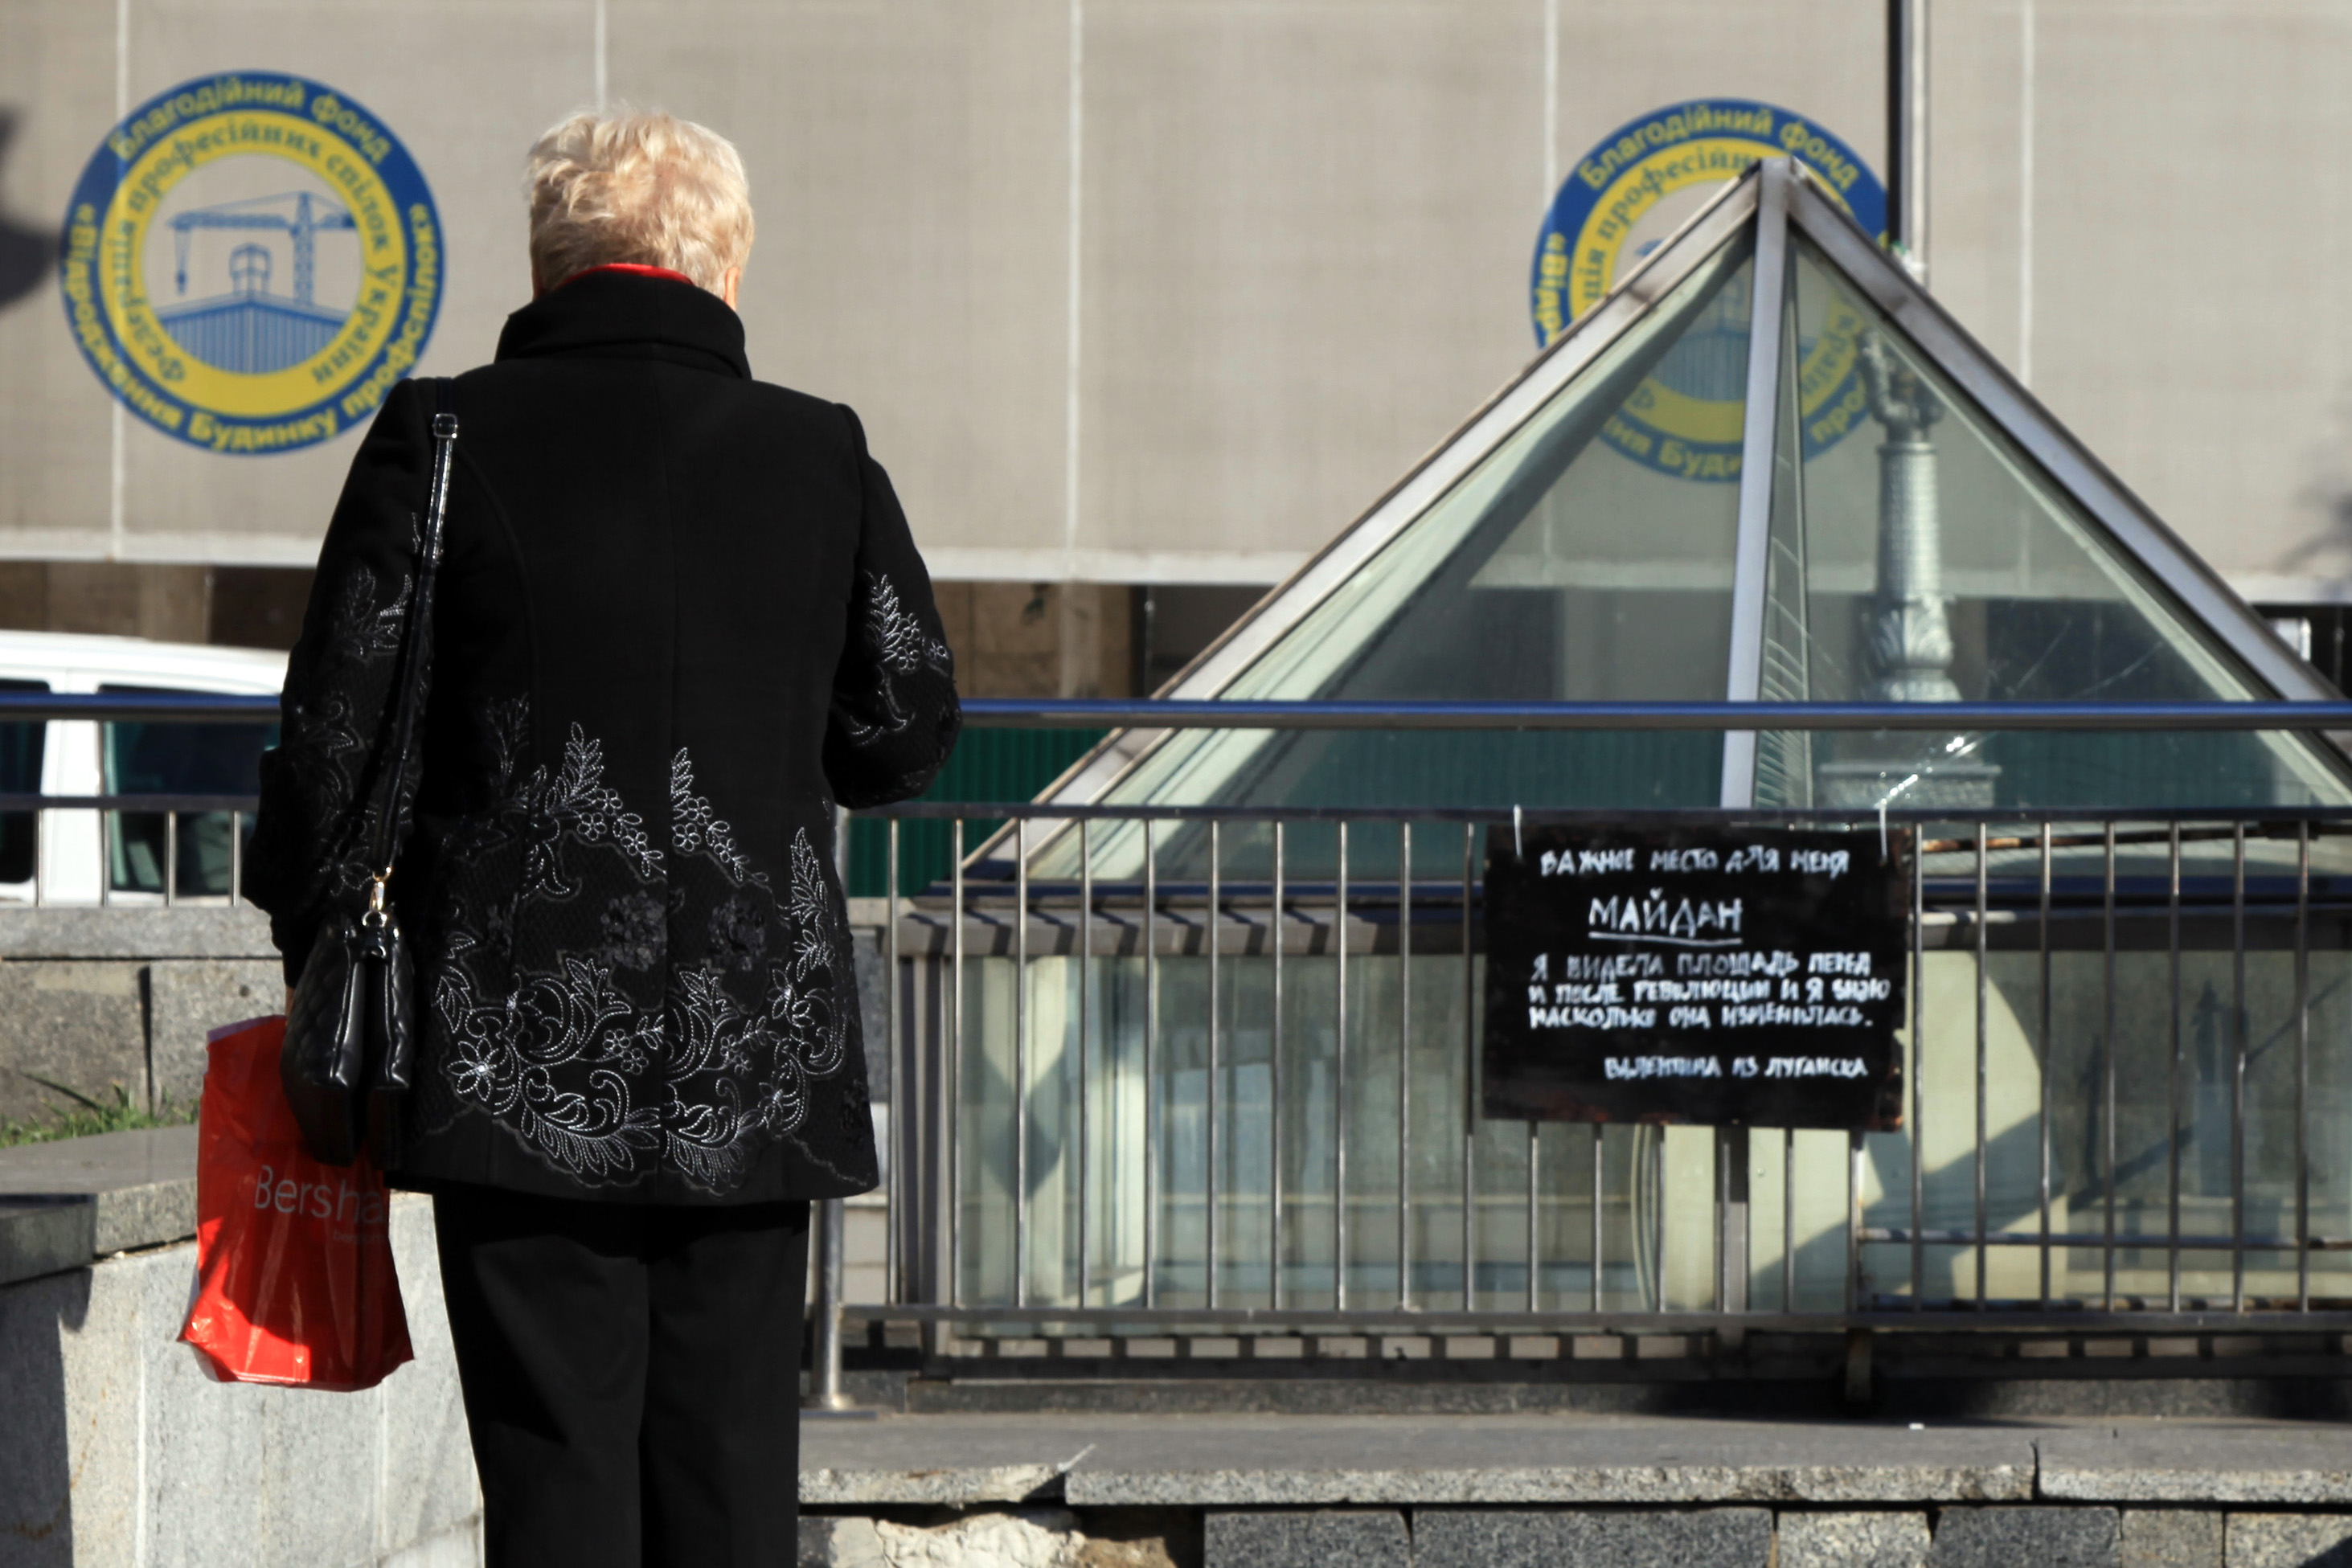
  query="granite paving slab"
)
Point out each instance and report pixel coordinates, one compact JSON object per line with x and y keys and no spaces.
{"x":2290,"y":1541}
{"x":1840,"y":1538}
{"x":1633,"y":1538}
{"x":2172,"y":1538}
{"x":1311,"y":1538}
{"x":1251,"y":1460}
{"x":2203,"y":1462}
{"x":2011,"y":1536}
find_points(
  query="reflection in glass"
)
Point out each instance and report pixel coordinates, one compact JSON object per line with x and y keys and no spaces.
{"x":1587,"y":558}
{"x":1919,"y":556}
{"x":2091,"y":1051}
{"x":1315,"y":1085}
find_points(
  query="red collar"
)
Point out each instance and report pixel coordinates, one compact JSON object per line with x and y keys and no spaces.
{"x":638,"y":269}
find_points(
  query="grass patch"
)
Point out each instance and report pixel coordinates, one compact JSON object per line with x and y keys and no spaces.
{"x":86,"y":1115}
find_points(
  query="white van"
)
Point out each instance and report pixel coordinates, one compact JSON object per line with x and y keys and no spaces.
{"x":123,"y":861}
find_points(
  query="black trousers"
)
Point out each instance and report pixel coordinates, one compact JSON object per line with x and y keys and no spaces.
{"x":631,"y":1375}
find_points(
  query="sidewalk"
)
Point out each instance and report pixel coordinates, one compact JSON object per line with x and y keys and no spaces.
{"x":1226,"y":1461}
{"x":1251,"y":1492}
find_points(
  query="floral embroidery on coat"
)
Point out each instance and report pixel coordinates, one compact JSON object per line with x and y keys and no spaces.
{"x":322,"y":767}
{"x":578,"y":1058}
{"x":896,"y":646}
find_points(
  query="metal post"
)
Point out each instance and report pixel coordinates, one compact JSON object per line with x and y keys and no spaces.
{"x":2238,"y":1068}
{"x":1405,"y":1065}
{"x":1789,"y":1219}
{"x":2175,"y":1082}
{"x":2303,"y":1067}
{"x":1278,"y":928}
{"x":1020,"y":1061}
{"x":1658,"y":1231}
{"x":236,"y":856}
{"x":2049,"y":1061}
{"x":1150,"y":1067}
{"x":1906,"y":133}
{"x":1469,"y":1087}
{"x":905,"y":1099}
{"x":2107,"y":1064}
{"x":1085,"y":1048}
{"x":1854,"y":1152}
{"x":1339,"y":1091}
{"x":824,"y":1370}
{"x":952,"y":1098}
{"x":1214,"y":1188}
{"x":1535,"y":1238}
{"x":171,"y":859}
{"x":1919,"y":1065}
{"x":1600,"y":1181}
{"x":1983,"y":1024}
{"x":1898,"y":124}
{"x":1731,"y":1151}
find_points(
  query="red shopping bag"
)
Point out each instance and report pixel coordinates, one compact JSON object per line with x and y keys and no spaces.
{"x":294,"y":1274}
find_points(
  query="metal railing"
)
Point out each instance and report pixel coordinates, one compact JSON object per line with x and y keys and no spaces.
{"x":2098,"y":911}
{"x":1186,"y":714}
{"x":2174,"y":1174}
{"x":116,"y":813}
{"x":2148,"y":1179}
{"x":122,"y":827}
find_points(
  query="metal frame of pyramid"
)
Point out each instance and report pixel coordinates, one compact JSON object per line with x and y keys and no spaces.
{"x":1769,"y":201}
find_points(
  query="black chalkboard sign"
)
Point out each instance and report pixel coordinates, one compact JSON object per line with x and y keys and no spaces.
{"x":1721,"y":976}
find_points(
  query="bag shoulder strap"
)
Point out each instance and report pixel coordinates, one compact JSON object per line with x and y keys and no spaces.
{"x":416,"y":649}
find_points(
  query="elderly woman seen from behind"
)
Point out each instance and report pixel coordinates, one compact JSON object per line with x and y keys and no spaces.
{"x":679,"y":619}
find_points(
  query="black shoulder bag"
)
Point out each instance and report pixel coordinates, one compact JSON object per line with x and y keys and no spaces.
{"x":351,"y":1035}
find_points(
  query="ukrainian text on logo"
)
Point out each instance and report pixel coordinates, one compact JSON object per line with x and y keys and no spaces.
{"x":203,"y":317}
{"x":1686,"y":418}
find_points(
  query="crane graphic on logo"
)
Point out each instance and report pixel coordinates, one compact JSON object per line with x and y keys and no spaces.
{"x":249,"y":330}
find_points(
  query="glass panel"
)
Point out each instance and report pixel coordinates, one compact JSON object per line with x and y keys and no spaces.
{"x":1588,"y":557}
{"x":178,"y":759}
{"x":1130,"y":1120}
{"x":21,"y":745}
{"x":2159,"y":1067}
{"x":1937,"y":563}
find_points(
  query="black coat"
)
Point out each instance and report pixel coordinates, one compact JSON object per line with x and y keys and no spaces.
{"x":678,"y":618}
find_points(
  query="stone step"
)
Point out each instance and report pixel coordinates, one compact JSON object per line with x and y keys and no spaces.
{"x":66,"y":1203}
{"x":1502,"y":1491}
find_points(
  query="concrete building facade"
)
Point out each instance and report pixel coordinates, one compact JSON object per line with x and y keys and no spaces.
{"x":1159,"y":294}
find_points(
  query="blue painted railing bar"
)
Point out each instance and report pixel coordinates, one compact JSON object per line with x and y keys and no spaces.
{"x":1021,"y":713}
{"x":1111,"y":713}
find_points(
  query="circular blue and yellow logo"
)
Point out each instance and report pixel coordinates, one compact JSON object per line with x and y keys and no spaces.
{"x":1621,"y":200}
{"x":250,"y":261}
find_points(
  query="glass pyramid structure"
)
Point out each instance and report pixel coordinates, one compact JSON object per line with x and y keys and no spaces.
{"x":1767,"y":466}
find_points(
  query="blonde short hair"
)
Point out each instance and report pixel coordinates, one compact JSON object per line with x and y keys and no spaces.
{"x":636,"y":186}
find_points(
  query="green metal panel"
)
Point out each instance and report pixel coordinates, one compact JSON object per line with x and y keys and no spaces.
{"x":988,"y":765}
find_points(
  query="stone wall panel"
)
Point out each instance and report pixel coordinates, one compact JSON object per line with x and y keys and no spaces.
{"x":82,"y":1023}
